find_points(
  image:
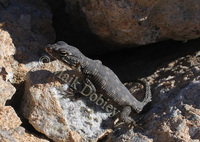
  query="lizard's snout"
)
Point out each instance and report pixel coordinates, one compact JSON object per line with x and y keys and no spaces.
{"x":48,"y":48}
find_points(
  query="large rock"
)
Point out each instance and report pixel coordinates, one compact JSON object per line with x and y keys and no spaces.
{"x":25,"y":28}
{"x":29,"y":24}
{"x":173,"y":116}
{"x":180,"y":120}
{"x":47,"y":107}
{"x":10,"y":129}
{"x":133,"y":22}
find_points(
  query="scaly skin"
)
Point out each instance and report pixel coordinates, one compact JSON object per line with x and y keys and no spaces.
{"x":102,"y":79}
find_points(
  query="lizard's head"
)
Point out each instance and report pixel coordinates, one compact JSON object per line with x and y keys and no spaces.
{"x":65,"y":53}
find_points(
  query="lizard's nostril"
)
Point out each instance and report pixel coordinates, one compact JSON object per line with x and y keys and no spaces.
{"x":48,"y":48}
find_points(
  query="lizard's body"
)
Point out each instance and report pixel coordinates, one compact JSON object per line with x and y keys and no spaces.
{"x":102,"y":79}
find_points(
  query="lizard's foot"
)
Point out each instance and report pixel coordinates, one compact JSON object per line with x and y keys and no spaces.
{"x":125,"y":115}
{"x":71,"y":94}
{"x":125,"y":118}
{"x":124,"y":125}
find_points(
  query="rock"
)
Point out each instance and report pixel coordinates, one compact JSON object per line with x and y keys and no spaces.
{"x":22,"y":25}
{"x":10,"y":129}
{"x":173,"y":116}
{"x":9,"y":119}
{"x":190,"y":95}
{"x":29,"y":24}
{"x":6,"y":92}
{"x":175,"y":108}
{"x":25,"y":29}
{"x":129,"y":136}
{"x":131,"y":22}
{"x":7,"y":49}
{"x":178,"y":20}
{"x":49,"y":110}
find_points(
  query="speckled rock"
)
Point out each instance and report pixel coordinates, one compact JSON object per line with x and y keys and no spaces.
{"x":173,"y":116}
{"x":25,"y":28}
{"x":6,"y":91}
{"x":130,"y":136}
{"x":49,"y":110}
{"x":10,"y":129}
{"x":175,"y":113}
{"x":180,"y":121}
{"x":137,"y":22}
{"x":29,"y":24}
{"x":7,"y":50}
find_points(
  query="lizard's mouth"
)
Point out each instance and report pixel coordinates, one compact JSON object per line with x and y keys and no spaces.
{"x":50,"y":49}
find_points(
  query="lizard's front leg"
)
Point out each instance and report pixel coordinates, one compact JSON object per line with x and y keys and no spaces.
{"x":85,"y":82}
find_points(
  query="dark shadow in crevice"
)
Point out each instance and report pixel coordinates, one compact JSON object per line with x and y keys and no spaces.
{"x":130,"y":64}
{"x":16,"y":99}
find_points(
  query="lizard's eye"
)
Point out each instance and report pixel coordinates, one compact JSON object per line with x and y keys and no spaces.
{"x":62,"y":51}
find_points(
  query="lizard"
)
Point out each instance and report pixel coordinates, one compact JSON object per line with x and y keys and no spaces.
{"x":102,"y":79}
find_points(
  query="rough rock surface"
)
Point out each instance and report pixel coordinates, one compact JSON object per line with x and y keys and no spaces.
{"x":175,"y":113}
{"x":7,"y":50}
{"x":10,"y":129}
{"x":173,"y":116}
{"x":6,"y":92}
{"x":136,"y":22}
{"x":50,"y":111}
{"x":29,"y":25}
{"x":23,"y":29}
